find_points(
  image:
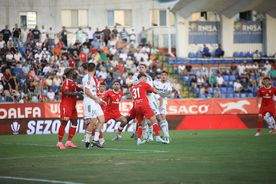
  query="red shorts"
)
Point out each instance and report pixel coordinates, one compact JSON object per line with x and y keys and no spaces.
{"x":143,"y":111}
{"x":68,"y":112}
{"x":265,"y":109}
{"x":109,"y":116}
{"x":132,"y":113}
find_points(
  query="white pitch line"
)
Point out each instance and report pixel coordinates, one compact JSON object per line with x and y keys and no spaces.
{"x":135,"y":150}
{"x":111,"y":149}
{"x":37,"y":180}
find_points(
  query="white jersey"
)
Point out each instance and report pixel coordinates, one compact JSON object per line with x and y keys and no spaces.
{"x":90,"y":83}
{"x":152,"y":100}
{"x":165,"y":88}
{"x":91,"y":108}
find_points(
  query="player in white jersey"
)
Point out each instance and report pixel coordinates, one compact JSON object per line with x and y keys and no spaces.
{"x":165,"y":88}
{"x":93,"y":113}
{"x":148,"y":130}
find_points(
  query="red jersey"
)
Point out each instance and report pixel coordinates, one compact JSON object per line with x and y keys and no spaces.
{"x":113,"y":100}
{"x":68,"y":102}
{"x":68,"y":86}
{"x":267,"y":95}
{"x":139,"y":93}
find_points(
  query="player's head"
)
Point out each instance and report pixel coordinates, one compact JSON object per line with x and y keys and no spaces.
{"x":68,"y":72}
{"x":116,"y":85}
{"x":91,"y":67}
{"x":142,"y":68}
{"x":142,"y":77}
{"x":164,"y":75}
{"x":102,"y":87}
{"x":84,"y":67}
{"x":266,"y":81}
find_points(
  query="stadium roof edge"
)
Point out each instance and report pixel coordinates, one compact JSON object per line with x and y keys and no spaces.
{"x":228,"y":8}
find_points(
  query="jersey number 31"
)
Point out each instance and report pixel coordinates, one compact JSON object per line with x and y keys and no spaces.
{"x":136,"y":93}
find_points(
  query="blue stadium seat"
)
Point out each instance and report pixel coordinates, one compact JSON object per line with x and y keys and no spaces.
{"x":255,"y":89}
{"x":198,"y":55}
{"x":196,"y":90}
{"x":202,"y":96}
{"x":235,"y":54}
{"x":191,"y":55}
{"x":232,"y":78}
{"x":230,"y":95}
{"x":250,"y":95}
{"x":223,"y":96}
{"x":186,"y":79}
{"x":230,"y":84}
{"x":262,"y":54}
{"x":223,"y":90}
{"x":209,"y":96}
{"x":243,"y":95}
{"x":237,"y":95}
{"x":211,"y":90}
{"x":230,"y":90}
{"x":226,"y":77}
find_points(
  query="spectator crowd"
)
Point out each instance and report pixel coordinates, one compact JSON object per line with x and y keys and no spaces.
{"x":32,"y":61}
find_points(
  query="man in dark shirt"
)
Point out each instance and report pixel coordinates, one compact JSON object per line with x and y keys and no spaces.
{"x":36,"y":34}
{"x":115,"y":32}
{"x":6,"y":33}
{"x":106,"y":35}
{"x":63,"y":35}
{"x":16,"y":32}
{"x":219,"y":52}
{"x":206,"y":52}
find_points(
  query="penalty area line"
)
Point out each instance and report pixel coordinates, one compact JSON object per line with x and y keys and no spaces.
{"x":38,"y":180}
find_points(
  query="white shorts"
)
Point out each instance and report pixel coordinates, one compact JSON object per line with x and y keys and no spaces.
{"x":92,"y":110}
{"x":154,"y":106}
{"x":163,"y":109}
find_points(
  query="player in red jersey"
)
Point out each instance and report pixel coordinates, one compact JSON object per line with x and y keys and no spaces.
{"x":142,"y":107}
{"x":68,"y":110}
{"x":267,"y":110}
{"x":113,"y":98}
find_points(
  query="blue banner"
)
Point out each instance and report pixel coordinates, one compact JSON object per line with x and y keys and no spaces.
{"x":204,"y":32}
{"x":248,"y":32}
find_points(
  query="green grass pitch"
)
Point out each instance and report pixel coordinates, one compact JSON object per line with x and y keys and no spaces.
{"x":199,"y":157}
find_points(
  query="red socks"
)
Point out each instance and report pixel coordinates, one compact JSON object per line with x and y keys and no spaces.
{"x":139,"y":132}
{"x":156,"y":129}
{"x":259,"y":126}
{"x":101,"y":135}
{"x":61,"y":132}
{"x":72,"y":131}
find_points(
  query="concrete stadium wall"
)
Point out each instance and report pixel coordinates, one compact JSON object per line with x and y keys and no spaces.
{"x":49,"y":14}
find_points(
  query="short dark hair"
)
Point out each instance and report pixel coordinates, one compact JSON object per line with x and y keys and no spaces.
{"x":68,"y":71}
{"x":143,"y":64}
{"x":116,"y":81}
{"x":84,"y":65}
{"x":91,"y":67}
{"x":266,"y":78}
{"x":141,"y":75}
{"x":165,"y":72}
{"x":102,"y":84}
